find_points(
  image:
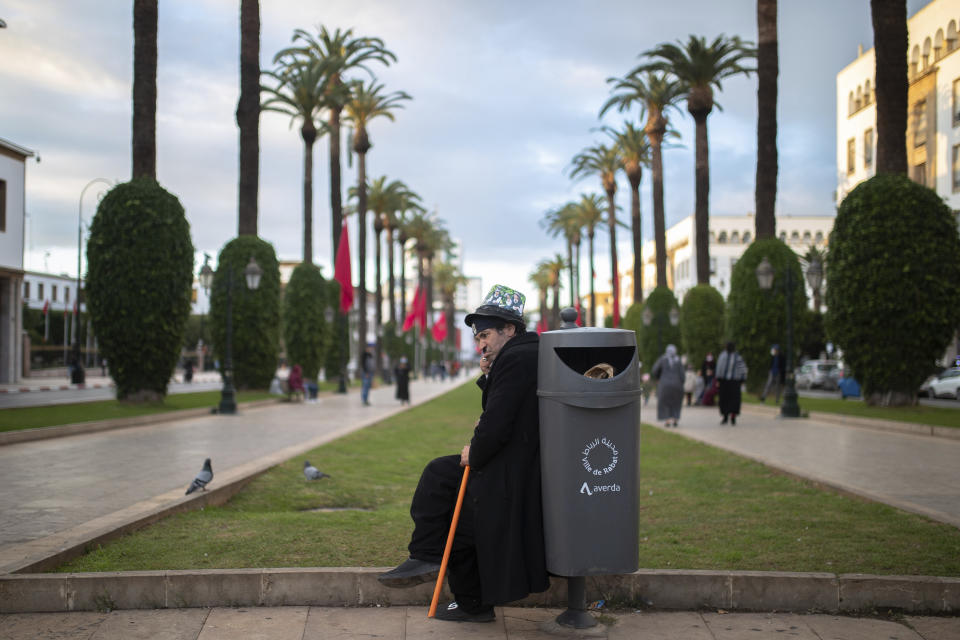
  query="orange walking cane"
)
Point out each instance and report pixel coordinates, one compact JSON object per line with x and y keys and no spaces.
{"x":446,"y":550}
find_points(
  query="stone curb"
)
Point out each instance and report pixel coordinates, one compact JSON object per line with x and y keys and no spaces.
{"x":867,"y":423}
{"x":44,"y":433}
{"x":345,"y":586}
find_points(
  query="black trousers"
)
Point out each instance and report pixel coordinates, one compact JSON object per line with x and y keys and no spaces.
{"x":432,"y":510}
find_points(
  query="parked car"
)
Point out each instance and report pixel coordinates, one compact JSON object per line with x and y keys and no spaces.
{"x":944,"y":385}
{"x":818,"y":374}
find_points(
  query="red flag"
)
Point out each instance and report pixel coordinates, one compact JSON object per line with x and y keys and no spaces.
{"x":440,"y":328}
{"x":46,"y":306}
{"x":412,"y":315}
{"x":542,"y":326}
{"x":579,"y":318}
{"x":341,"y":271}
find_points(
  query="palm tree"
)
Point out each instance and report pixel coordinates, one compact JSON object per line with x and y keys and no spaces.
{"x":448,"y":280}
{"x":144,"y":125}
{"x":590,"y":215}
{"x":634,"y":150}
{"x":367,"y":103}
{"x":339,"y":53}
{"x":603,"y":161}
{"x":767,"y":70}
{"x":554,"y":267}
{"x":565,"y":222}
{"x":298,"y":93}
{"x":656,"y":93}
{"x":700,"y":67}
{"x":890,"y":44}
{"x":406,"y":201}
{"x":248,"y":118}
{"x":540,"y":278}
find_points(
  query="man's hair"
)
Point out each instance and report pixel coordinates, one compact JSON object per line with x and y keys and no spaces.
{"x":521,"y":328}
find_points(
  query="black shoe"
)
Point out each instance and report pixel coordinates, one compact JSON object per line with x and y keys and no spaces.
{"x":724,"y":421}
{"x":410,"y":573}
{"x":733,"y":420}
{"x":453,"y":613}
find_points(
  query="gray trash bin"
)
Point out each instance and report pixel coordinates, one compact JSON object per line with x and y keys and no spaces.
{"x":590,"y":451}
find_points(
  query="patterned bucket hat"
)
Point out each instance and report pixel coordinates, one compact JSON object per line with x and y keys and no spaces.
{"x":502,"y":302}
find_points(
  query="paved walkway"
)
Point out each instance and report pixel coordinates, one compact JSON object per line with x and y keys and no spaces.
{"x":408,"y":623}
{"x":916,"y":473}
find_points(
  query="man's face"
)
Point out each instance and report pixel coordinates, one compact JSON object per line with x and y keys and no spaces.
{"x":490,"y":341}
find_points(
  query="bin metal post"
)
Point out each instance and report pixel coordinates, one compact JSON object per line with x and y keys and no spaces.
{"x":576,"y":615}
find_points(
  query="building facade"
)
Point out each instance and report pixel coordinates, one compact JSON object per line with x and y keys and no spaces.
{"x":933,"y":122}
{"x":13,"y":172}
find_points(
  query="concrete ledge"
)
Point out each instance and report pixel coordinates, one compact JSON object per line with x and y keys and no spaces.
{"x":345,"y":586}
{"x":866,"y":423}
{"x":93,"y":426}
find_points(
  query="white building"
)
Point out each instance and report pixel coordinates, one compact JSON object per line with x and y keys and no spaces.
{"x":57,"y":291}
{"x":13,"y":173}
{"x":933,"y":122}
{"x":729,"y":238}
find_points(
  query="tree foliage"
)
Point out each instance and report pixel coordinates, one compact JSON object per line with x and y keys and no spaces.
{"x":702,"y":317}
{"x":337,"y":350}
{"x":139,"y":280}
{"x":893,"y":285}
{"x":757,"y":319}
{"x":256,"y":314}
{"x":653,"y":339}
{"x":305,"y":329}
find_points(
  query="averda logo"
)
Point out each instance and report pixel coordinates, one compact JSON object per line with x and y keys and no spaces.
{"x":586,"y":489}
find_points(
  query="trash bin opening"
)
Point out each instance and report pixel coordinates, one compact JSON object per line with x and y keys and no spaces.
{"x":582,"y":359}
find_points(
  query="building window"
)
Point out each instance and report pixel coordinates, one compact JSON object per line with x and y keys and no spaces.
{"x":851,"y":155}
{"x":53,"y":292}
{"x":818,"y":238}
{"x":868,"y":148}
{"x":807,"y":236}
{"x":746,"y":237}
{"x":26,"y":285}
{"x":66,"y":295}
{"x":722,"y":238}
{"x":3,"y":206}
{"x":851,"y":105}
{"x":40,"y":291}
{"x":795,"y":236}
{"x":956,"y":167}
{"x":867,"y":95}
{"x":783,"y":236}
{"x":735,"y":237}
{"x":713,"y":266}
{"x":956,"y":102}
{"x":920,"y":123}
{"x":920,"y":173}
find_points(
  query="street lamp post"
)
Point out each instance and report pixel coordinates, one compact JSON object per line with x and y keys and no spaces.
{"x":228,"y":394}
{"x":765,"y":278}
{"x":206,"y":281}
{"x":77,"y":374}
{"x":649,"y":317}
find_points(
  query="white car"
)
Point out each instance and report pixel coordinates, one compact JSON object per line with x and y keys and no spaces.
{"x":945,"y":385}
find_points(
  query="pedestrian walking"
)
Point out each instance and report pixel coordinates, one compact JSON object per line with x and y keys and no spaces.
{"x":402,"y":376}
{"x":731,"y":372}
{"x":707,"y":373}
{"x":670,"y":375}
{"x":690,"y":382}
{"x":367,"y":367}
{"x":776,"y":376}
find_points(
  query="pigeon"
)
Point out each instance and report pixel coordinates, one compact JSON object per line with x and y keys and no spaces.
{"x":311,"y":472}
{"x":205,"y":476}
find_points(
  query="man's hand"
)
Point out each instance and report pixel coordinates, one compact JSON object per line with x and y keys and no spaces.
{"x":465,"y":456}
{"x":485,"y":363}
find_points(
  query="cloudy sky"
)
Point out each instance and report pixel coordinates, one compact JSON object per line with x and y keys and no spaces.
{"x":505,"y":94}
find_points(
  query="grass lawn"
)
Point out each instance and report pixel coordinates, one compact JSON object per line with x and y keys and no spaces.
{"x":15,"y":418}
{"x":701,"y":508}
{"x":936,"y":416}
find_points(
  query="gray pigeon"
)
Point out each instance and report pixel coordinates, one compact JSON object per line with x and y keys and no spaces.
{"x":311,"y":472}
{"x":205,"y":476}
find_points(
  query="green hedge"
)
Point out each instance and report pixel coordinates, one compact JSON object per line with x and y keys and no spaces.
{"x":653,"y":339}
{"x":139,"y":285}
{"x":757,"y":319}
{"x":256,"y":314}
{"x":702,"y":316}
{"x":893,"y":285}
{"x":305,"y":329}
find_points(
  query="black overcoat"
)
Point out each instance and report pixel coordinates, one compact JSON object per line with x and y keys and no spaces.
{"x":504,"y":480}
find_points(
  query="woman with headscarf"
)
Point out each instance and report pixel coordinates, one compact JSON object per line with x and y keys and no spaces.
{"x":731,"y":372}
{"x":670,"y":374}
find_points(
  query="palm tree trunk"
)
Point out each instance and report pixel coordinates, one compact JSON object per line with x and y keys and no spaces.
{"x":377,"y":302}
{"x":576,"y":278}
{"x":615,"y":279}
{"x":767,"y":164}
{"x":570,"y":270}
{"x":248,"y":117}
{"x":544,"y":309}
{"x":659,"y":221}
{"x":890,"y":44}
{"x":336,"y":210}
{"x":144,"y":133}
{"x":309,"y":135}
{"x":636,"y":222}
{"x":362,"y":247}
{"x":403,"y":283}
{"x":702,"y":207}
{"x":555,"y":314}
{"x":391,"y":281}
{"x":593,"y":276}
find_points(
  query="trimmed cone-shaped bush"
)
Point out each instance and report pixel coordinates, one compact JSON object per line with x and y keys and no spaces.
{"x":702,"y":316}
{"x":139,"y":279}
{"x":893,"y":285}
{"x":653,"y":339}
{"x":757,"y":319}
{"x":305,"y":328}
{"x":256,"y":314}
{"x":338,"y":350}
